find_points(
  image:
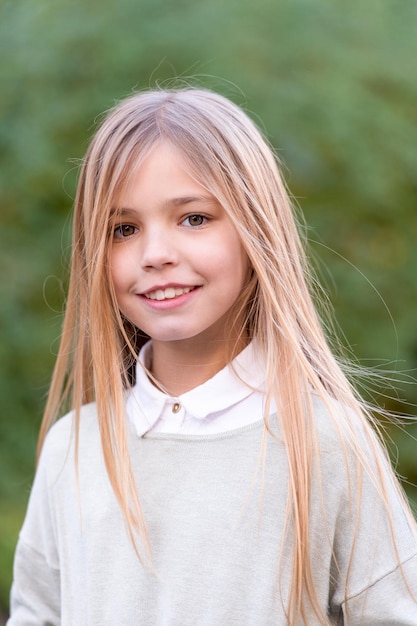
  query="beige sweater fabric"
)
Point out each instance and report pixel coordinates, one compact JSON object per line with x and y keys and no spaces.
{"x":216,"y":524}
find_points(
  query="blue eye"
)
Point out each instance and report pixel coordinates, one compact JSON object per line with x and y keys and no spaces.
{"x":124,"y":231}
{"x":195,"y":220}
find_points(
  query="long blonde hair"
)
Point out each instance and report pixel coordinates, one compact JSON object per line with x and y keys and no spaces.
{"x":227,"y":154}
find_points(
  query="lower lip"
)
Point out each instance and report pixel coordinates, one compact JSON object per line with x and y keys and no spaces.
{"x":170,"y":303}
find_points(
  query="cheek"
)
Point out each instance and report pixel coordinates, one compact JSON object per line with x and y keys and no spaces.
{"x":238,"y":262}
{"x":233,"y":269}
{"x":119,"y":273}
{"x":115,"y":273}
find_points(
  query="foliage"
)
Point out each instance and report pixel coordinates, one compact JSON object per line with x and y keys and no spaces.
{"x":333,"y":84}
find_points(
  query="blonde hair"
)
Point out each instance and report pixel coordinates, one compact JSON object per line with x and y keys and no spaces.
{"x":227,"y":154}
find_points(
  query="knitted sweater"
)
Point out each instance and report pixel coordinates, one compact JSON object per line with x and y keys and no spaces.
{"x":216,"y":520}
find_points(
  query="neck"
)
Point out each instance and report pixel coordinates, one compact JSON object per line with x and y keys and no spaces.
{"x":179,"y":367}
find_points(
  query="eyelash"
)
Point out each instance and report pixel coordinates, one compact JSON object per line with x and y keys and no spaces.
{"x":118,"y":232}
{"x":193,"y":215}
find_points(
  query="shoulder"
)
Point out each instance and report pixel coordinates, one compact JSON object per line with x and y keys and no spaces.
{"x":60,"y":441}
{"x":352,"y":464}
{"x":339,"y":426}
{"x":332,"y":428}
{"x":348,"y":453}
{"x":65,"y":426}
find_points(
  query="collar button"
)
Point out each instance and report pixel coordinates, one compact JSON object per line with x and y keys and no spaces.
{"x":176,"y":407}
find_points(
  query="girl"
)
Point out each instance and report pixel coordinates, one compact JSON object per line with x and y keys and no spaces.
{"x":216,"y":467}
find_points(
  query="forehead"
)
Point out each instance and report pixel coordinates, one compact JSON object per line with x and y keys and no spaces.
{"x":163,"y":173}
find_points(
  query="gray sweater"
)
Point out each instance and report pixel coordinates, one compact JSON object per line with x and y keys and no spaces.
{"x":216,"y":524}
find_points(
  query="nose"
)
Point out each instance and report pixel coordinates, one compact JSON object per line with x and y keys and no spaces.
{"x":158,"y":249}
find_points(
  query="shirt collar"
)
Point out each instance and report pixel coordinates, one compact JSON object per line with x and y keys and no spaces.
{"x":234,"y":383}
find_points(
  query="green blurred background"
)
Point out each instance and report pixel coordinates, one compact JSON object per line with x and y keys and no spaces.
{"x":334,"y":85}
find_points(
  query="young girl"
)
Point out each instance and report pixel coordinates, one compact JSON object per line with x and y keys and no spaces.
{"x":216,"y":467}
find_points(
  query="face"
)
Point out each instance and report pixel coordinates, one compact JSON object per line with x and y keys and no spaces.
{"x":177,"y":263}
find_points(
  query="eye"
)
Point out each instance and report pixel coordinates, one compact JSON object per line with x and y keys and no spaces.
{"x":195,"y":220}
{"x":124,"y":231}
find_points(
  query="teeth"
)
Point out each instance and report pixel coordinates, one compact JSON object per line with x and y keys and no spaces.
{"x":167,"y":294}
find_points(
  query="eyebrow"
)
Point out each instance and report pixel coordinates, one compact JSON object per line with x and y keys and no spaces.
{"x":176,"y":202}
{"x":189,"y":199}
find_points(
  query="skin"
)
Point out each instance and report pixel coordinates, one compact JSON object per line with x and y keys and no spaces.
{"x":172,"y":238}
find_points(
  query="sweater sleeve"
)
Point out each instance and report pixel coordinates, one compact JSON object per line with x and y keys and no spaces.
{"x":372,"y":533}
{"x":382,"y":585}
{"x":35,"y":593}
{"x":388,"y":601}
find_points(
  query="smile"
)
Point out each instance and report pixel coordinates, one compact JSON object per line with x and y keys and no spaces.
{"x":167,"y":294}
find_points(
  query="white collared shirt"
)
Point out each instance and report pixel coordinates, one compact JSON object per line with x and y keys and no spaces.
{"x":233,"y":398}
